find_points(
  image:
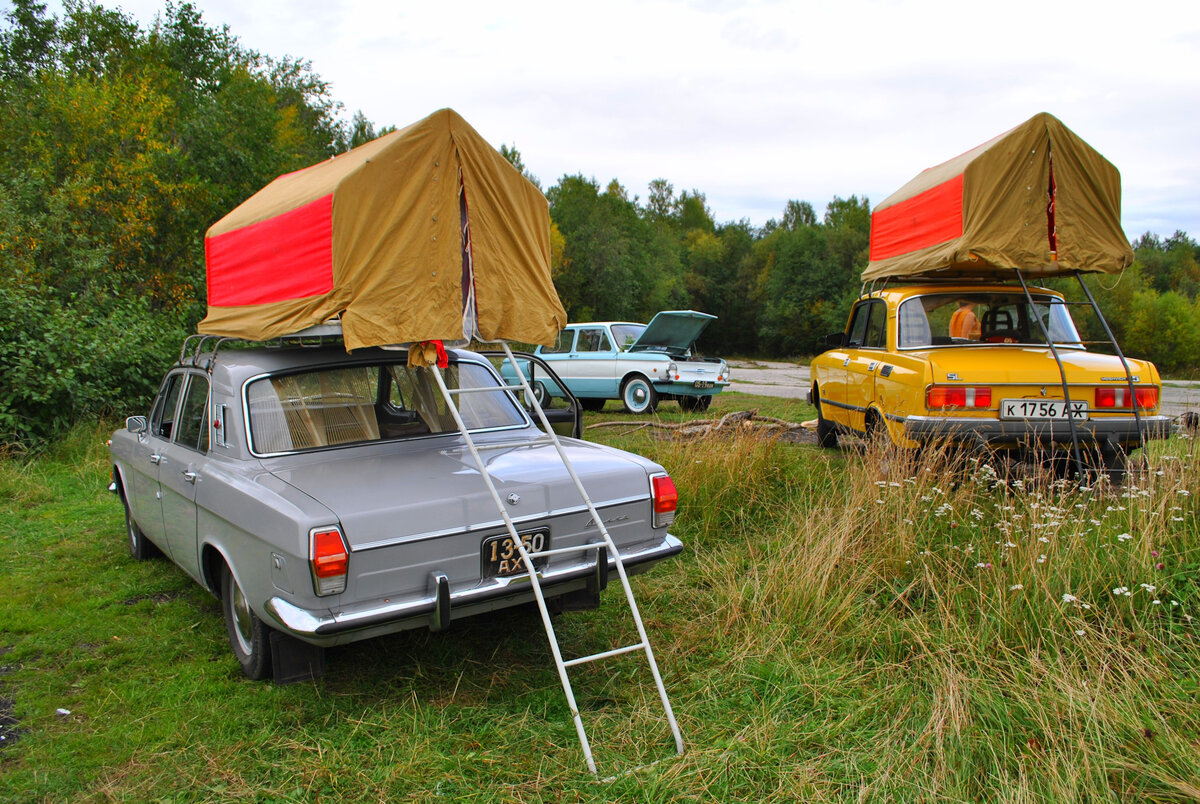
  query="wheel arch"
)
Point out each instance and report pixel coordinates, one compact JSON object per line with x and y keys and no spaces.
{"x":212,"y":558}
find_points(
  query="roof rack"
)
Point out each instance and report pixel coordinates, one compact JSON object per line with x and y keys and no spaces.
{"x":314,"y":336}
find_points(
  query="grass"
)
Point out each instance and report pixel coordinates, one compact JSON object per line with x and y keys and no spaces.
{"x":843,"y":625}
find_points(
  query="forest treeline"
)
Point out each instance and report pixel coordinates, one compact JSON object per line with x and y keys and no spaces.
{"x":120,"y":145}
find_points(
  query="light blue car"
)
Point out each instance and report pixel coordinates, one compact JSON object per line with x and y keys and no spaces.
{"x":639,"y":364}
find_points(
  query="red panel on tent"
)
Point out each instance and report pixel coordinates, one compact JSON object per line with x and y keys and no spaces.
{"x":289,"y":256}
{"x":924,"y":220}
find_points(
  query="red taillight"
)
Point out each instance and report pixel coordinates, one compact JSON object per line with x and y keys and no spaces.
{"x":1114,"y":397}
{"x":330,"y":561}
{"x":940,"y":396}
{"x":665,"y":500}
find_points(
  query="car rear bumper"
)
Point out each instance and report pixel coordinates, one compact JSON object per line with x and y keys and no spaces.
{"x":993,"y":432}
{"x":441,"y":603}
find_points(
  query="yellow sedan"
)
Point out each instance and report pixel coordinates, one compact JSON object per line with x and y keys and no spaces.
{"x":980,"y":364}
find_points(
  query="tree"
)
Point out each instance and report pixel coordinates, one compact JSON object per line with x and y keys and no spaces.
{"x":514,"y":158}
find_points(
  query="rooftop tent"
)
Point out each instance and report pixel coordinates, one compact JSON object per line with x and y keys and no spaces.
{"x":426,"y":233}
{"x":1037,"y":198}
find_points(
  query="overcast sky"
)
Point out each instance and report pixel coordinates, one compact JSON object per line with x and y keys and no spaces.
{"x":757,"y":102}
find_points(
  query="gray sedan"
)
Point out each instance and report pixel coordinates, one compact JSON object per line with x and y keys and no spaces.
{"x":326,"y":497}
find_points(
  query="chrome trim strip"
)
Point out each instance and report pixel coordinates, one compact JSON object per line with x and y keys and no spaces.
{"x":492,"y":525}
{"x":842,"y":405}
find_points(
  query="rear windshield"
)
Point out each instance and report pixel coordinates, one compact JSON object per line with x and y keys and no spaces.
{"x":626,"y":334}
{"x":339,"y":405}
{"x":952,"y":319}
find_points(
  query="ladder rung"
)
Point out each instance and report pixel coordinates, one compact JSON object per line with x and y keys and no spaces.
{"x":578,"y":548}
{"x":540,"y":441}
{"x":607,"y":654}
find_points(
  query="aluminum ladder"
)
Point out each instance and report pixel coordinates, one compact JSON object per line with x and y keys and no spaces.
{"x":1111,"y":341}
{"x":643,"y":643}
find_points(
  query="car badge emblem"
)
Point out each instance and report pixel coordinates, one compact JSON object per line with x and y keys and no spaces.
{"x":953,"y":375}
{"x":513,"y":498}
{"x":1043,"y":390}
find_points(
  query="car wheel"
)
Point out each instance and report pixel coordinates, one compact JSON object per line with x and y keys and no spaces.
{"x":876,"y":430}
{"x":592,"y":404}
{"x":140,"y":547}
{"x":539,"y":394}
{"x":1113,"y":462}
{"x":248,"y":636}
{"x":639,"y":396}
{"x":826,"y":432}
{"x":695,"y":403}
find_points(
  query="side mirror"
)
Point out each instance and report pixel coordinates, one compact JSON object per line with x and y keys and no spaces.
{"x":835,"y":339}
{"x":136,"y":424}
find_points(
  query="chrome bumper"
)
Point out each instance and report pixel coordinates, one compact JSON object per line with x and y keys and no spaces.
{"x":441,"y":603}
{"x":1113,"y":431}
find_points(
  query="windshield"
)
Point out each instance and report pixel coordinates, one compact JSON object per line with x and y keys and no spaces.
{"x":951,"y":319}
{"x":340,"y":405}
{"x":626,"y":334}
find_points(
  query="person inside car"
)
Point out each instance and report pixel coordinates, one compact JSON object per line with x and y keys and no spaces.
{"x":964,"y":325}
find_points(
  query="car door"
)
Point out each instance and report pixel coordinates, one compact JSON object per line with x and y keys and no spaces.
{"x":832,"y":366}
{"x":593,"y":363}
{"x":180,"y":472}
{"x":144,"y":496}
{"x":867,"y":346}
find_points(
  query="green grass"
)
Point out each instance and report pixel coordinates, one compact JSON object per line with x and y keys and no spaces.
{"x":841,"y":626}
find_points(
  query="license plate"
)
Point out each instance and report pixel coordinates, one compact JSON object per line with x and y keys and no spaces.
{"x":501,"y":557}
{"x":702,"y":384}
{"x":1042,"y":409}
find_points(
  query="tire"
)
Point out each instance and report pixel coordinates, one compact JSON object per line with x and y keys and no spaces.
{"x":140,"y":547}
{"x":826,"y":432}
{"x":540,"y":394}
{"x":694,"y":403}
{"x":591,"y":404}
{"x":638,"y":395}
{"x":248,"y":636}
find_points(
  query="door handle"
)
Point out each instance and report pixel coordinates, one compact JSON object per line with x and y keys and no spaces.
{"x":189,"y":476}
{"x":156,"y":459}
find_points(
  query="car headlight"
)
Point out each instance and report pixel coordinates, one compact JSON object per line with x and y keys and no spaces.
{"x":672,"y":367}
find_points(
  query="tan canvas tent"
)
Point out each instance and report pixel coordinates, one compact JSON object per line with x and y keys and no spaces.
{"x":1037,"y":198}
{"x":426,"y":233}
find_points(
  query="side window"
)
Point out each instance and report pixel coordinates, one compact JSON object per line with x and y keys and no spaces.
{"x":914,"y":325}
{"x":593,"y":340}
{"x":562,"y":345}
{"x":192,"y":431}
{"x":162,"y":418}
{"x":858,"y":325}
{"x":876,"y":337}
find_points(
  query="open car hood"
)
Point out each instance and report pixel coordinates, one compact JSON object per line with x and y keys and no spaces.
{"x":672,"y":331}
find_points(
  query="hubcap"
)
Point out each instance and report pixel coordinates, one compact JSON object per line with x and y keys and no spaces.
{"x":242,"y":624}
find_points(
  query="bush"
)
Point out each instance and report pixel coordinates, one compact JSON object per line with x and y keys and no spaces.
{"x":64,"y":362}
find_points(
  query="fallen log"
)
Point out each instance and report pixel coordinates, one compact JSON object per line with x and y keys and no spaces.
{"x":740,"y":422}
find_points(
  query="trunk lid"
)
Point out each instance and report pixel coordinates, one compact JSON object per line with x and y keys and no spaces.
{"x":672,"y":331}
{"x":389,"y":496}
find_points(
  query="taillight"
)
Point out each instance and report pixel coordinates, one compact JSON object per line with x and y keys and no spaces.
{"x":330,"y":560}
{"x":1113,"y":397}
{"x":665,"y":500}
{"x":957,"y":396}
